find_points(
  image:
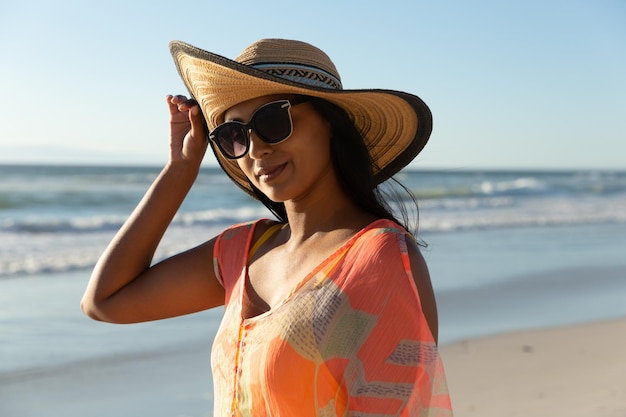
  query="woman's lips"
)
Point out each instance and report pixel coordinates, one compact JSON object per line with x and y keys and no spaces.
{"x":269,"y":173}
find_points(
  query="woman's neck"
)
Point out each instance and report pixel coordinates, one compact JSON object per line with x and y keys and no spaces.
{"x":319,"y":215}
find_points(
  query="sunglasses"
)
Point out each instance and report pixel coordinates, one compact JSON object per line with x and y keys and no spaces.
{"x":271,"y":123}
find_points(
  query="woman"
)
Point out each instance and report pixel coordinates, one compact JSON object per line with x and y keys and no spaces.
{"x":328,"y":311}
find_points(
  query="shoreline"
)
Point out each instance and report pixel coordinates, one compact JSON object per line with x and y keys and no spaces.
{"x":573,"y":370}
{"x":524,"y":302}
{"x":533,"y":301}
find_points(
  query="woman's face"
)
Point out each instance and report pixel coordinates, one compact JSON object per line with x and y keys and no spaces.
{"x":293,"y":169}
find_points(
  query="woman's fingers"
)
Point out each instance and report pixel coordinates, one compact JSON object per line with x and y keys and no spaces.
{"x":197,"y":122}
{"x":180,"y":103}
{"x":187,"y":133}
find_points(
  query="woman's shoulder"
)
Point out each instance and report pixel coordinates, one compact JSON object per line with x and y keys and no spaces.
{"x":240,"y":238}
{"x":246,"y":228}
{"x":389,"y":240}
{"x":230,"y":253}
{"x":382,"y":242}
{"x":383,"y":230}
{"x":387,"y":247}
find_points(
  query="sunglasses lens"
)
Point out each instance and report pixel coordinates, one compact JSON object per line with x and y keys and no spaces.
{"x":232,"y":140}
{"x":272,"y":123}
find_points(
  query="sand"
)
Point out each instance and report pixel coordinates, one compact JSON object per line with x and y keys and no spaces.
{"x":567,"y":371}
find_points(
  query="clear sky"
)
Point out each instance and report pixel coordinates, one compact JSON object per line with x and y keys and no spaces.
{"x":512,"y":84}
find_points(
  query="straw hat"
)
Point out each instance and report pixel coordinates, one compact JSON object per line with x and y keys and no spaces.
{"x":395,"y":125}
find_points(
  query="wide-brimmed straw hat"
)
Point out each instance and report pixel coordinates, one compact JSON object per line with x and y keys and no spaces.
{"x":395,"y":125}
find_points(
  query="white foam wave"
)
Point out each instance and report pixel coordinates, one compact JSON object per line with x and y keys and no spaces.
{"x":519,"y":185}
{"x":62,"y":247}
{"x":100,"y":223}
{"x":538,"y":212}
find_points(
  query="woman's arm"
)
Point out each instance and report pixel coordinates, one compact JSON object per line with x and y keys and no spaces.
{"x":424,"y":287}
{"x":124,"y":288}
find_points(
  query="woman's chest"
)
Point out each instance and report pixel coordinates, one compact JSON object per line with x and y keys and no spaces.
{"x":310,"y":321}
{"x":274,"y":277}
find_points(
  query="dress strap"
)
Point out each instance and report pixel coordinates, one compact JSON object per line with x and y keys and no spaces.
{"x":264,"y":237}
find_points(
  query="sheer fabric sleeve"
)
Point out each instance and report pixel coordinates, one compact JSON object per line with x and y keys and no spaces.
{"x":229,"y":255}
{"x":388,"y":363}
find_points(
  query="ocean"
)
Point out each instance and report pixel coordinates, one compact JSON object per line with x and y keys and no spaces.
{"x":507,"y":250}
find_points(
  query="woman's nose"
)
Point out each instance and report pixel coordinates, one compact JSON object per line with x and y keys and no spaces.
{"x":258,"y":148}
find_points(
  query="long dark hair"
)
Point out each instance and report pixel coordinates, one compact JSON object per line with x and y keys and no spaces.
{"x":355,"y":172}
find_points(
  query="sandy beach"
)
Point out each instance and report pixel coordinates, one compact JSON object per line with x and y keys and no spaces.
{"x":162,"y":369}
{"x":571,"y":371}
{"x":568,"y":371}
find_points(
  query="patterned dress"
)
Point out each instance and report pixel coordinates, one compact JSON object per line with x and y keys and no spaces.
{"x":349,"y":340}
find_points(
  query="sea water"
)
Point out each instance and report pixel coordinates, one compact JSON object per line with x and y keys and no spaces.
{"x":506,"y":250}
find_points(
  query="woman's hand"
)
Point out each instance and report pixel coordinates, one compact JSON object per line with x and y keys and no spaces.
{"x":188,"y":138}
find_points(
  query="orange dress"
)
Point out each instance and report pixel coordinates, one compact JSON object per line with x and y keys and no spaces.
{"x":349,"y":340}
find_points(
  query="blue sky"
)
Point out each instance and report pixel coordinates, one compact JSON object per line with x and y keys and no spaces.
{"x":532,"y":84}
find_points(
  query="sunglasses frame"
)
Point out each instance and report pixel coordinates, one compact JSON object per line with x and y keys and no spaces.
{"x":251,"y":126}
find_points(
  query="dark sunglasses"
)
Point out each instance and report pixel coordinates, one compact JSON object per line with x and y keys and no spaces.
{"x":271,"y":123}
